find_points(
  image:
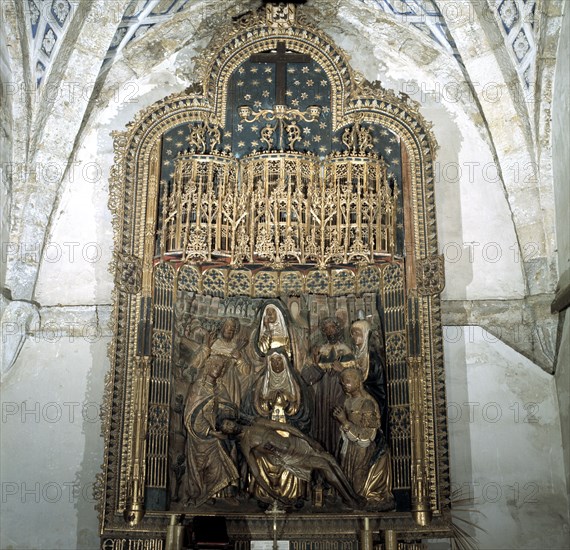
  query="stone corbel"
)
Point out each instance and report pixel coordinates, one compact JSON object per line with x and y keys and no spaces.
{"x":562,"y":298}
{"x":17,"y":319}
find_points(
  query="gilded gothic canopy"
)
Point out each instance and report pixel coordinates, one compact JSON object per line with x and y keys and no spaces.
{"x":278,"y":125}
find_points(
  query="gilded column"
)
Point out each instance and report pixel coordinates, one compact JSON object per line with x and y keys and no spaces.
{"x":421,"y":510}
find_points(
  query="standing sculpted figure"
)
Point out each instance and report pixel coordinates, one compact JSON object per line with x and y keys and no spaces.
{"x":370,"y":361}
{"x":231,"y":346}
{"x":360,"y":334}
{"x":328,"y":361}
{"x":273,"y":331}
{"x":364,"y":456}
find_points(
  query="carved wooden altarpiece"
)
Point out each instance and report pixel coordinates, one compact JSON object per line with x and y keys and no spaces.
{"x":280,"y":195}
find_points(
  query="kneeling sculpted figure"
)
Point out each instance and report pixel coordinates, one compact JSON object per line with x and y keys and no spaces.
{"x":210,"y":467}
{"x":364,"y":455}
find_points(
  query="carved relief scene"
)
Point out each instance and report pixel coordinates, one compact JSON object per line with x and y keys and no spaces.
{"x":314,"y":386}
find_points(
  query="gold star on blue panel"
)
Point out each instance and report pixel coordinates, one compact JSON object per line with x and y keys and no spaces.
{"x":306,"y":85}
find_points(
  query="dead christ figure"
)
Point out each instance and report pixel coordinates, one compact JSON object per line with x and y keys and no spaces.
{"x":292,"y":450}
{"x":277,"y":395}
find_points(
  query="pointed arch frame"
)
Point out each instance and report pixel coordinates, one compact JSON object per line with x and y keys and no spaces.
{"x":134,"y":189}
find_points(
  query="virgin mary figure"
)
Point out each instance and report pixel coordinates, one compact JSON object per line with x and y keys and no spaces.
{"x":278,"y":395}
{"x":273,"y":331}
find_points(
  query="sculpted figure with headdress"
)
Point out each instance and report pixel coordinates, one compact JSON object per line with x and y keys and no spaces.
{"x":273,"y":331}
{"x":360,"y":333}
{"x":277,"y":394}
{"x":210,"y":468}
{"x":364,"y":455}
{"x":229,"y":343}
{"x":369,"y":359}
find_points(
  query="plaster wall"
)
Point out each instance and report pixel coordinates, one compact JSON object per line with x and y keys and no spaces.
{"x":561,"y":145}
{"x":7,"y":88}
{"x":505,"y":451}
{"x":562,"y":379}
{"x":50,"y":444}
{"x":80,"y":243}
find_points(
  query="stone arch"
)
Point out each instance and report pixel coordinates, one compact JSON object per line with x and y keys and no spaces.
{"x":42,"y":187}
{"x":483,"y":52}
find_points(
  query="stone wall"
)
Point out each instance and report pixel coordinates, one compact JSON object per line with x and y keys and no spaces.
{"x":6,"y":122}
{"x":506,"y":456}
{"x":561,"y":169}
{"x":51,"y":446}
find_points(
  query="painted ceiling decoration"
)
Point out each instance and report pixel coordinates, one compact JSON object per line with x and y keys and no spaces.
{"x":139,"y":17}
{"x":517,"y":25}
{"x":143,"y":14}
{"x":49,"y":21}
{"x":424,"y":15}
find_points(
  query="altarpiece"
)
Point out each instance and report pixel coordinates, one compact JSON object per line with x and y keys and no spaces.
{"x":277,"y":326}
